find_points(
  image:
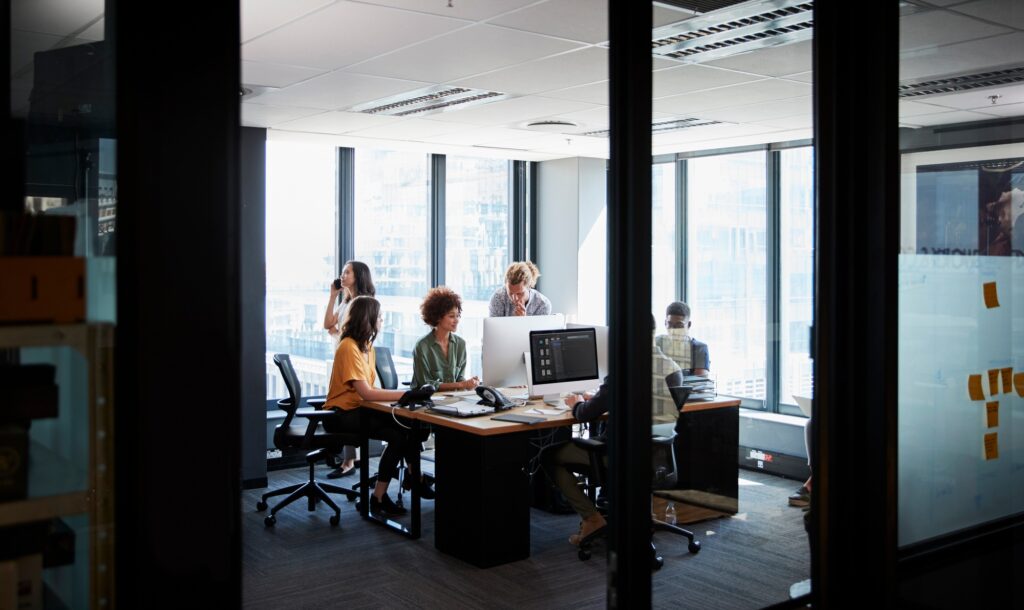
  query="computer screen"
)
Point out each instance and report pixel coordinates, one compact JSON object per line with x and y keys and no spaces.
{"x":563,"y":361}
{"x":504,"y":342}
{"x":602,"y":345}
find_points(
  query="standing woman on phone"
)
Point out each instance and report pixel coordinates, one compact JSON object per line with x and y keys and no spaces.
{"x":354,"y":281}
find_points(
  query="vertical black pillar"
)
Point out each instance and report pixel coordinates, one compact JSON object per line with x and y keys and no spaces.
{"x":253,"y":304}
{"x":857,"y":241}
{"x":629,"y":265}
{"x":177,"y":392}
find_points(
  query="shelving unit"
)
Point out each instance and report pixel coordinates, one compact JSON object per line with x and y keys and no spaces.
{"x":55,"y":483}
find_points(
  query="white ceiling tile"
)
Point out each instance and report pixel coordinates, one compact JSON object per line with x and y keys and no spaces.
{"x":256,"y":115}
{"x":586,"y":120}
{"x":337,"y":91}
{"x":463,"y":53}
{"x":763,"y":111}
{"x":1006,"y":110}
{"x":934,"y":28}
{"x":771,"y":61}
{"x":665,"y":15}
{"x":409,"y":129}
{"x":582,"y":20}
{"x":275,"y":75}
{"x":261,"y":16}
{"x":685,"y":79}
{"x":478,"y":135}
{"x":473,"y":10}
{"x":979,"y":98}
{"x":336,"y":122}
{"x":707,"y":132}
{"x":511,"y":111}
{"x":964,"y":57}
{"x":946,"y":118}
{"x":587,"y":65}
{"x":910,"y":108}
{"x":95,"y":31}
{"x":803,"y":77}
{"x":56,"y":17}
{"x":594,"y":93}
{"x":790,"y":122}
{"x":345,"y":33}
{"x":725,"y":97}
{"x":1008,"y":12}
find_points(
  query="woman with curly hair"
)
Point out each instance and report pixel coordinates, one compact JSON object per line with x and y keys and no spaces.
{"x":439,"y":358}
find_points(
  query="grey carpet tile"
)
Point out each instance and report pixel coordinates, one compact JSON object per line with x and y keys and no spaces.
{"x":747,"y":561}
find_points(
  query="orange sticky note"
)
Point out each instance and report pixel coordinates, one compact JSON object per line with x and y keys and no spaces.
{"x":993,"y":382}
{"x":1007,"y":374}
{"x":991,"y":294}
{"x":1018,"y":382}
{"x":991,"y":446}
{"x":975,"y":391}
{"x":992,"y":413}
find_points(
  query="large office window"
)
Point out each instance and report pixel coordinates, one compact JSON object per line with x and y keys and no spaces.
{"x":301,"y":244}
{"x":663,"y":238}
{"x":477,"y":220}
{"x":796,"y":256}
{"x":392,"y":236}
{"x":726,"y":258}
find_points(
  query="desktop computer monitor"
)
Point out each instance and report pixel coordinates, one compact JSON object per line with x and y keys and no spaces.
{"x":504,"y":342}
{"x":563,"y":361}
{"x":601,"y":332}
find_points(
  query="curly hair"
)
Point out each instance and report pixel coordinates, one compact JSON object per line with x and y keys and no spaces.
{"x":438,"y":302}
{"x":522,"y":271}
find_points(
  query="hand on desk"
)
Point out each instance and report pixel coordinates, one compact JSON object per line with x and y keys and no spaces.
{"x":470,"y":383}
{"x":572,"y":399}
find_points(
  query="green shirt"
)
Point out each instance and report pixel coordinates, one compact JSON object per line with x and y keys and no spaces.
{"x":430,"y":366}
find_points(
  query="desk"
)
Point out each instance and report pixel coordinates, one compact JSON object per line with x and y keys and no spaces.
{"x":707,"y":447}
{"x":482,"y":506}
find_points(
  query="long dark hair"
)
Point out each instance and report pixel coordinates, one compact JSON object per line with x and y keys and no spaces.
{"x":360,"y":323}
{"x":364,"y":281}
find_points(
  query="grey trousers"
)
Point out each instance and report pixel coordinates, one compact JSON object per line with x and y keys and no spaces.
{"x":560,"y":462}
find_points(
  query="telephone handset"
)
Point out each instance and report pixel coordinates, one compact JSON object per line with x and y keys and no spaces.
{"x":493,"y":398}
{"x":418,"y":397}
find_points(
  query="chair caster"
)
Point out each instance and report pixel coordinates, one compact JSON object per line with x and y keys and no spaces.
{"x":657,"y":562}
{"x":583,"y":554}
{"x":269,"y":521}
{"x":693,"y":547}
{"x":261,"y":506}
{"x":335,"y":520}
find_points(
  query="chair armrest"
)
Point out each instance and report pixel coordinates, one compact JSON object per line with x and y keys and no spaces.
{"x":315,"y":417}
{"x":591,"y":445}
{"x":316,"y":403}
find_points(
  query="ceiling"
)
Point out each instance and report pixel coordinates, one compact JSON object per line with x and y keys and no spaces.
{"x":311,"y":60}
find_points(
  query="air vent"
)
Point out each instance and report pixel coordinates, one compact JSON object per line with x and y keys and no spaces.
{"x":735,"y":29}
{"x":966,"y":82}
{"x":551,"y":126}
{"x":663,"y":126}
{"x":250,"y":91}
{"x":429,"y":100}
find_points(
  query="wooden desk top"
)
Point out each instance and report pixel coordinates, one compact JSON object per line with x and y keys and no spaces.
{"x":485,"y":426}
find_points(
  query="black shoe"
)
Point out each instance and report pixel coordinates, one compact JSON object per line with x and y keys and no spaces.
{"x":385,"y":506}
{"x":340,"y":472}
{"x":425,"y":487}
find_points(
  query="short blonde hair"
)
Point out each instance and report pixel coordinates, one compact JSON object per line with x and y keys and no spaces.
{"x":521,"y":272}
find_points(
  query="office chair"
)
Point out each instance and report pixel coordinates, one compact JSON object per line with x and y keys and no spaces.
{"x":311,"y":435}
{"x":663,"y":476}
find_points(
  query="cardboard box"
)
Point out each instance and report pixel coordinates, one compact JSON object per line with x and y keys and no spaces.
{"x":42,"y":289}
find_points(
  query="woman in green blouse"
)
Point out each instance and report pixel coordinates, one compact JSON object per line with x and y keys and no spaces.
{"x":439,"y":358}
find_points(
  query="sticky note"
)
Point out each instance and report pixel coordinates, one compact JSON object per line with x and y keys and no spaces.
{"x":992,"y":413}
{"x":1018,"y":383}
{"x":1007,"y":374}
{"x":991,"y":446}
{"x":993,"y":382}
{"x":975,"y":391}
{"x":991,"y":294}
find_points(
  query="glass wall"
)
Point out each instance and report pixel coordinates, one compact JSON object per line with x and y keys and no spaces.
{"x":301,"y":264}
{"x":796,"y":272}
{"x":726,"y":222}
{"x":663,"y":238}
{"x":477,"y":220}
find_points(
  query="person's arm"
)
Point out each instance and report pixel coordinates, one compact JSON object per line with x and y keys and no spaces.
{"x":461,"y":383}
{"x":330,"y":316}
{"x":588,"y":410}
{"x":544,"y":308}
{"x":368,"y":392}
{"x":493,"y":308}
{"x":421,"y":372}
{"x":701,"y":360}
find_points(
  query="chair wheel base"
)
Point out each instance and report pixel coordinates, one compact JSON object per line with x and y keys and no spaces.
{"x":693,"y":547}
{"x":335,"y":520}
{"x":584,"y":555}
{"x":261,"y":506}
{"x":269,"y":521}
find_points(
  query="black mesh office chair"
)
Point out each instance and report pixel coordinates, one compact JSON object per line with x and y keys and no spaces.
{"x":292,"y":434}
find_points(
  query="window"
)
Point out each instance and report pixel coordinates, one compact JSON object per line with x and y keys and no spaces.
{"x":663,"y":238}
{"x":477,"y":219}
{"x":796,"y":256}
{"x":392,"y":236}
{"x":301,"y":244}
{"x":726,"y":223}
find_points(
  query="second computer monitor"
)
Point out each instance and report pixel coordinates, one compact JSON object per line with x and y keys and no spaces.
{"x":504,"y":342}
{"x":601,"y":333}
{"x":563,"y":361}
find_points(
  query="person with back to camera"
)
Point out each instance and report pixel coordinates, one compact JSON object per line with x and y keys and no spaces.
{"x":352,"y":379}
{"x":690,"y":354}
{"x":439,"y":358}
{"x":354,"y":281}
{"x":518,"y":297}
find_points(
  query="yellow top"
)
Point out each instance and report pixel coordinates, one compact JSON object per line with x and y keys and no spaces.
{"x":350,"y":364}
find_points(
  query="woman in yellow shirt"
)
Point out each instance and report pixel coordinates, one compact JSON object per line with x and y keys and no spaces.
{"x":352,"y":379}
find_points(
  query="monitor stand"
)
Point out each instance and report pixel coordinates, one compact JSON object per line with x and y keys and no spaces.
{"x":555,"y":400}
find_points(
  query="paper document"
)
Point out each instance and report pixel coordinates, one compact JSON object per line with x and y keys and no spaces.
{"x":545,"y":411}
{"x":462,"y":393}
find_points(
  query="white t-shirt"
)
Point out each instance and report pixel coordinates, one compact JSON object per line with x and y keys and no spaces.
{"x":339,"y":310}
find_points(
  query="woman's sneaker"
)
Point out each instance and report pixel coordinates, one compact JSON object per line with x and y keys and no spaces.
{"x":801,"y":497}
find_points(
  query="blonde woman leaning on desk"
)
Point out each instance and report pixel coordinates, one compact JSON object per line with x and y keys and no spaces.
{"x":439,"y":358}
{"x":352,"y":379}
{"x":354,"y":281}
